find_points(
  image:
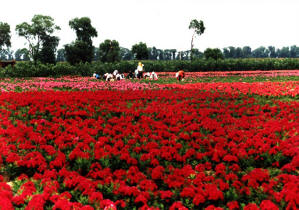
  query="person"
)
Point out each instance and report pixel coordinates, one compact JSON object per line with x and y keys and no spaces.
{"x":130,"y":75}
{"x":180,"y":75}
{"x":153,"y":76}
{"x":120,"y":77}
{"x":139,"y":70}
{"x":147,"y":75}
{"x":108,"y":77}
{"x":95,"y":75}
{"x":115,"y":72}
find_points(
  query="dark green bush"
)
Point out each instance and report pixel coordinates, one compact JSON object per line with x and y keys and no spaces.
{"x":28,"y":69}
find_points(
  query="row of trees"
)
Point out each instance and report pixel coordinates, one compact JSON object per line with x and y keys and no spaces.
{"x":42,"y":45}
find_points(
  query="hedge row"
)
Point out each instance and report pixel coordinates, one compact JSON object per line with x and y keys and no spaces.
{"x":28,"y":69}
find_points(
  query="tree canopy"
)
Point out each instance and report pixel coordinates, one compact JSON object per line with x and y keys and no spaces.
{"x":81,"y":50}
{"x":109,"y":51}
{"x":38,"y":34}
{"x":140,"y":51}
{"x":4,"y":35}
{"x":199,"y":28}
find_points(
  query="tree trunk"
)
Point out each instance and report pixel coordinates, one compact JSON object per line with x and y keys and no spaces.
{"x":191,"y":56}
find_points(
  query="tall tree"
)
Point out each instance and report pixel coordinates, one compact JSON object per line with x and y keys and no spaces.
{"x":197,"y":54}
{"x":213,"y":54}
{"x":109,"y":51}
{"x":6,"y":54}
{"x":4,"y":35}
{"x":272,"y":52}
{"x":37,"y":33}
{"x":140,"y":51}
{"x":284,"y":52}
{"x":199,"y":28}
{"x":294,"y":51}
{"x":22,"y":55}
{"x":47,"y":53}
{"x":60,"y":55}
{"x":246,"y":50}
{"x":125,"y":54}
{"x":81,"y":50}
{"x":153,"y":53}
{"x":260,"y":52}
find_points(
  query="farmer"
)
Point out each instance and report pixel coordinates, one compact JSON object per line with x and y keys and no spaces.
{"x":130,"y":75}
{"x":139,"y":70}
{"x":108,"y":77}
{"x":115,"y":72}
{"x":120,"y":77}
{"x":147,"y":75}
{"x":180,"y":75}
{"x":153,"y":76}
{"x":95,"y":75}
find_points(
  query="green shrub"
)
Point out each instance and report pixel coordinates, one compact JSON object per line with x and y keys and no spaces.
{"x":28,"y":69}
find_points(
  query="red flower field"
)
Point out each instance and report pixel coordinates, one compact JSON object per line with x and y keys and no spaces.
{"x":234,"y":146}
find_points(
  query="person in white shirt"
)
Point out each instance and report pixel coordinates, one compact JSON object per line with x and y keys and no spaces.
{"x":139,"y":70}
{"x":147,"y":75}
{"x":115,"y":72}
{"x":153,"y":76}
{"x":108,"y":77}
{"x":120,"y":76}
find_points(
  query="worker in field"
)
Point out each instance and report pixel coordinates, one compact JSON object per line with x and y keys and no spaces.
{"x":139,"y":71}
{"x":95,"y":75}
{"x":180,"y":75}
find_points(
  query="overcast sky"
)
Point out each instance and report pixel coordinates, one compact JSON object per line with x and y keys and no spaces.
{"x":164,"y":23}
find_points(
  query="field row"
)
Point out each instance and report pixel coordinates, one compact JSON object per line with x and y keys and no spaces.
{"x":265,"y":88}
{"x":149,"y":149}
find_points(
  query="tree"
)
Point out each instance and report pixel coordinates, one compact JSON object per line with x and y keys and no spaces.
{"x":140,"y":51}
{"x":284,"y":52}
{"x":78,"y":51}
{"x":239,"y":53}
{"x":294,"y":51}
{"x":198,"y":28}
{"x":260,"y":52}
{"x":272,"y":52}
{"x":125,"y":54}
{"x":60,"y":55}
{"x":153,"y":53}
{"x":196,"y":53}
{"x":6,"y":54}
{"x":246,"y":52}
{"x":47,"y":53}
{"x":83,"y":28}
{"x":81,"y":50}
{"x":37,"y":34}
{"x":22,"y":55}
{"x":4,"y":35}
{"x":213,"y":54}
{"x":109,"y":51}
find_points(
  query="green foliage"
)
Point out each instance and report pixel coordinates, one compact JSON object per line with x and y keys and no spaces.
{"x":22,"y":55}
{"x":140,"y":51}
{"x":47,"y":53}
{"x":4,"y":35}
{"x":109,"y":51}
{"x":78,"y":51}
{"x":199,"y":29}
{"x":28,"y":69}
{"x":81,"y":50}
{"x":83,"y":28}
{"x":38,"y":35}
{"x":213,"y":53}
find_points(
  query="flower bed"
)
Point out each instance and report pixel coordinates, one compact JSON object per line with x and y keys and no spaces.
{"x":290,"y":88}
{"x":150,"y":149}
{"x":73,"y":83}
{"x":272,"y":73}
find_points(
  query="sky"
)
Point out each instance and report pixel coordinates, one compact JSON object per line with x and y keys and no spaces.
{"x":164,"y":23}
